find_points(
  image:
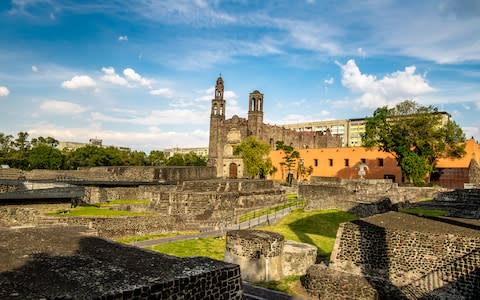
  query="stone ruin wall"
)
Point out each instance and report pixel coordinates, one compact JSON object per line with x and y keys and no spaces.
{"x":401,"y":256}
{"x":363,"y":197}
{"x":264,"y":255}
{"x":270,"y":134}
{"x":216,"y":203}
{"x":127,"y":226}
{"x":65,"y":263}
{"x":124,"y":173}
{"x":399,"y":263}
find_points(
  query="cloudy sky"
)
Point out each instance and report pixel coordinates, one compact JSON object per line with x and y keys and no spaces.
{"x":141,"y":73}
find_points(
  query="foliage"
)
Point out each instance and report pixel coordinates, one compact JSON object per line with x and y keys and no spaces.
{"x":188,"y":159}
{"x":415,"y":135}
{"x":43,"y":156}
{"x":289,"y":159}
{"x":157,"y":158}
{"x":254,"y":154}
{"x":209,"y":247}
{"x":42,"y":153}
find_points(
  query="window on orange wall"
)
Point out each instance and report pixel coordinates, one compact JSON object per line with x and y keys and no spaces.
{"x":363,"y":160}
{"x":347,"y":162}
{"x":315,"y":162}
{"x":330,"y":162}
{"x":380,"y":162}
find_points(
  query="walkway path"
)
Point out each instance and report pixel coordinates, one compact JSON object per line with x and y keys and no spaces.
{"x":265,"y":219}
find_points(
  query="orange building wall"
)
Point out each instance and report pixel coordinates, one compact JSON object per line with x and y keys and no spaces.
{"x":355,"y":154}
{"x":472,"y":151}
{"x":338,"y":169}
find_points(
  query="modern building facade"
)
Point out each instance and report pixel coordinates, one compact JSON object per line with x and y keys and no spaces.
{"x":200,"y":151}
{"x":350,"y":130}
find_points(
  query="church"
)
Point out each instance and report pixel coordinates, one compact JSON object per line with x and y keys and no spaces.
{"x":226,"y":133}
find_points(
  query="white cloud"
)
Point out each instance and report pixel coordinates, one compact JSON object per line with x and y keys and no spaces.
{"x":157,"y":117}
{"x":329,"y":80}
{"x":52,"y":17}
{"x":361,"y":52}
{"x":166,"y":92}
{"x":131,"y":75}
{"x":34,"y":69}
{"x":80,"y":82}
{"x":472,"y":131}
{"x":112,"y":77}
{"x":62,"y":107}
{"x":152,"y":138}
{"x":392,"y":88}
{"x":4,"y":91}
{"x":123,"y":38}
{"x":324,"y":113}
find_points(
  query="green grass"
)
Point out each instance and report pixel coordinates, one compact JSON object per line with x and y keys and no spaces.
{"x":318,"y":228}
{"x":86,"y":210}
{"x":125,"y":202}
{"x":424,"y":212}
{"x":292,"y":200}
{"x":209,"y":247}
{"x":284,"y":285}
{"x":144,"y":237}
{"x":269,"y":210}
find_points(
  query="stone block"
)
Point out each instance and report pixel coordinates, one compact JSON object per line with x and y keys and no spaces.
{"x":297,"y":257}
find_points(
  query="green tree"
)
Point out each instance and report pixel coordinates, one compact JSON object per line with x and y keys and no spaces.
{"x":192,"y":159}
{"x":44,"y":156}
{"x":95,"y":156}
{"x":157,"y":158}
{"x":416,"y":135}
{"x":254,"y":154}
{"x":289,"y":159}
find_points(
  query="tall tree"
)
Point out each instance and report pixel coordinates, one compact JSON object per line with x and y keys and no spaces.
{"x":416,"y":135}
{"x":254,"y":154}
{"x":44,"y":156}
{"x":289,"y":159}
{"x":157,"y":158}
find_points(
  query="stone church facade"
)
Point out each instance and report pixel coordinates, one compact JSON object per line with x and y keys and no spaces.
{"x":226,"y":133}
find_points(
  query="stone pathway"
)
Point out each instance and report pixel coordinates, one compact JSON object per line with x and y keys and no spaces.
{"x":265,"y":219}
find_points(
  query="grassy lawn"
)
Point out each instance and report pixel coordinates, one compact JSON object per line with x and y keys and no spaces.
{"x":209,"y":247}
{"x":284,"y":285}
{"x":261,"y":212}
{"x":318,"y":228}
{"x":86,"y":210}
{"x":424,"y":212}
{"x":125,"y":202}
{"x":144,"y":237}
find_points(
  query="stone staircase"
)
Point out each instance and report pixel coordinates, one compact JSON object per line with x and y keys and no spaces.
{"x":453,"y":273}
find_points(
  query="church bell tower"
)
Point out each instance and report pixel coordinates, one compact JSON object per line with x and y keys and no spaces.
{"x":255,"y":113}
{"x":217,"y":118}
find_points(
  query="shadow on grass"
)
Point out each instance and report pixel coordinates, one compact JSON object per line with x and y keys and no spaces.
{"x":323,"y":224}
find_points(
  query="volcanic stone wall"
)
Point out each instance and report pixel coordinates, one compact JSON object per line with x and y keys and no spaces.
{"x":125,"y":226}
{"x":125,"y":173}
{"x":64,"y":263}
{"x":216,"y":203}
{"x":363,"y":197}
{"x":418,"y":256}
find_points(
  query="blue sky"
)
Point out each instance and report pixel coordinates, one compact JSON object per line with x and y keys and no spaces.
{"x":141,"y":73}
